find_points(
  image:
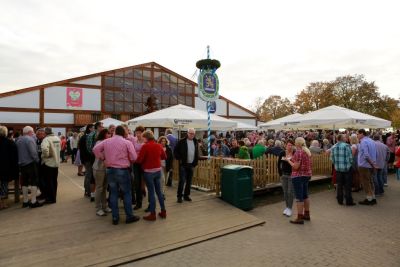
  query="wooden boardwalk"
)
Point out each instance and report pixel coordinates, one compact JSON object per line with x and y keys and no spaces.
{"x":70,"y":234}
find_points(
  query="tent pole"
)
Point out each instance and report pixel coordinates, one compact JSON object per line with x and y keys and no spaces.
{"x":334,"y":135}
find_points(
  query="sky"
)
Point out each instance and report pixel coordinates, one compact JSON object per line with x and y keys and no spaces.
{"x":265,"y":47}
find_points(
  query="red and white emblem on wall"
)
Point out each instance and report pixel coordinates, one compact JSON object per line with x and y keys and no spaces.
{"x":74,"y":97}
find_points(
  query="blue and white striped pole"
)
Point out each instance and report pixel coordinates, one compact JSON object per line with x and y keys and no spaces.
{"x":208,"y":115}
{"x":209,"y":128}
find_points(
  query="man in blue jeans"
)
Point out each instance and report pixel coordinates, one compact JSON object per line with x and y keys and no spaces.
{"x":187,"y":152}
{"x":382,"y":157}
{"x":118,"y":155}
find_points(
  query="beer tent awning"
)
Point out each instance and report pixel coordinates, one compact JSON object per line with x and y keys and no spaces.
{"x":335,"y":117}
{"x":241,"y":126}
{"x":110,"y":121}
{"x":182,"y":117}
{"x":276,"y":124}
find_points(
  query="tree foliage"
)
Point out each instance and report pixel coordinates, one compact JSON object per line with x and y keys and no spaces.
{"x":275,"y":107}
{"x":350,"y":91}
{"x":315,"y":96}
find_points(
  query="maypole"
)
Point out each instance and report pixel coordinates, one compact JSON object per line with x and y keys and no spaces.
{"x":208,"y":88}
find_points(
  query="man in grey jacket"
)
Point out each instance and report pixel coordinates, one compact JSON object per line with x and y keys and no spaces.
{"x":28,"y":160}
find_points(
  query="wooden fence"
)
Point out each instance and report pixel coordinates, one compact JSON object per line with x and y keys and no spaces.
{"x":207,"y":174}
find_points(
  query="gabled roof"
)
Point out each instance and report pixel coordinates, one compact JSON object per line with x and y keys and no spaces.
{"x":148,"y":65}
{"x":71,"y":80}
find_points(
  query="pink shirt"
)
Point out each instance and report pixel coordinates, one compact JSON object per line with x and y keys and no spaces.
{"x":137,"y":145}
{"x":116,"y":151}
{"x":391,"y":144}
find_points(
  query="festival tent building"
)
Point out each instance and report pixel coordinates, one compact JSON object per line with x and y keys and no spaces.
{"x":335,"y":117}
{"x":121,"y":94}
{"x":276,"y":124}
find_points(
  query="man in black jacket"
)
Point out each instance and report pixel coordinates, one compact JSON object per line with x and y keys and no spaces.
{"x":187,"y":152}
{"x":86,"y":158}
{"x":8,"y":164}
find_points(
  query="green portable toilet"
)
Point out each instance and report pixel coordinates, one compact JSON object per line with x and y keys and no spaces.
{"x":237,"y":186}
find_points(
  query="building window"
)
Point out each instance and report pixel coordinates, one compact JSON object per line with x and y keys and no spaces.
{"x":96,"y":117}
{"x":131,"y":90}
{"x":116,"y":116}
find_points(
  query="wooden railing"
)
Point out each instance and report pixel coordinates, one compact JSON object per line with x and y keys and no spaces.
{"x":207,"y":174}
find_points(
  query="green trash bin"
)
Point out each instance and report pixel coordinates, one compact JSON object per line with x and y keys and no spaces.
{"x":237,"y":186}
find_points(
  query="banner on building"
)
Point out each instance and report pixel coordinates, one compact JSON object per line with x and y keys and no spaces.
{"x":74,"y":97}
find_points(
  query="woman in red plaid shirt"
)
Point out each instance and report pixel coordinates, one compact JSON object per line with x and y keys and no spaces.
{"x":301,"y":175}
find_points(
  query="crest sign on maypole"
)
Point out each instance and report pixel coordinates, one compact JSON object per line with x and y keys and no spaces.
{"x":208,"y":86}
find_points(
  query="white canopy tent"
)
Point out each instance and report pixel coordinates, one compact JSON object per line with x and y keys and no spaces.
{"x":334,"y":117}
{"x":241,"y":126}
{"x":110,"y":121}
{"x":276,"y":124}
{"x":181,"y":117}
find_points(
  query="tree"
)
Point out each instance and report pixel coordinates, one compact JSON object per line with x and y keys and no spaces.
{"x":349,"y":91}
{"x":275,"y":107}
{"x":315,"y":96}
{"x":354,"y":92}
{"x":256,"y":107}
{"x":395,"y":117}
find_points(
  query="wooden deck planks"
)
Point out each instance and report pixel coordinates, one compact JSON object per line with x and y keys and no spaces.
{"x":70,"y":234}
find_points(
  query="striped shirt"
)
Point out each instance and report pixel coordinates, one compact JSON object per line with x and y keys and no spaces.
{"x":342,"y":157}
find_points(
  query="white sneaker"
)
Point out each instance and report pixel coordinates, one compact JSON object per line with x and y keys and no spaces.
{"x":285,"y":211}
{"x":101,"y":213}
{"x":108,"y":210}
{"x":289,"y":212}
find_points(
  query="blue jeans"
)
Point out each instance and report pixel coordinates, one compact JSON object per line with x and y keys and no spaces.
{"x":300,"y":185}
{"x":378,"y":182}
{"x":385,"y":174}
{"x":120,"y":179}
{"x":153,"y":180}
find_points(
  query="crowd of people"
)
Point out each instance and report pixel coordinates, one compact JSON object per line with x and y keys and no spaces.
{"x":34,"y":158}
{"x":118,"y":163}
{"x":360,"y":160}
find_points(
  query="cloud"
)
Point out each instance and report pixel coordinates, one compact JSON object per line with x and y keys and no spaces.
{"x":265,"y":47}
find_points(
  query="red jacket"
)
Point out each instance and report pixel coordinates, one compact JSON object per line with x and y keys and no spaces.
{"x":150,"y":155}
{"x":397,"y":159}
